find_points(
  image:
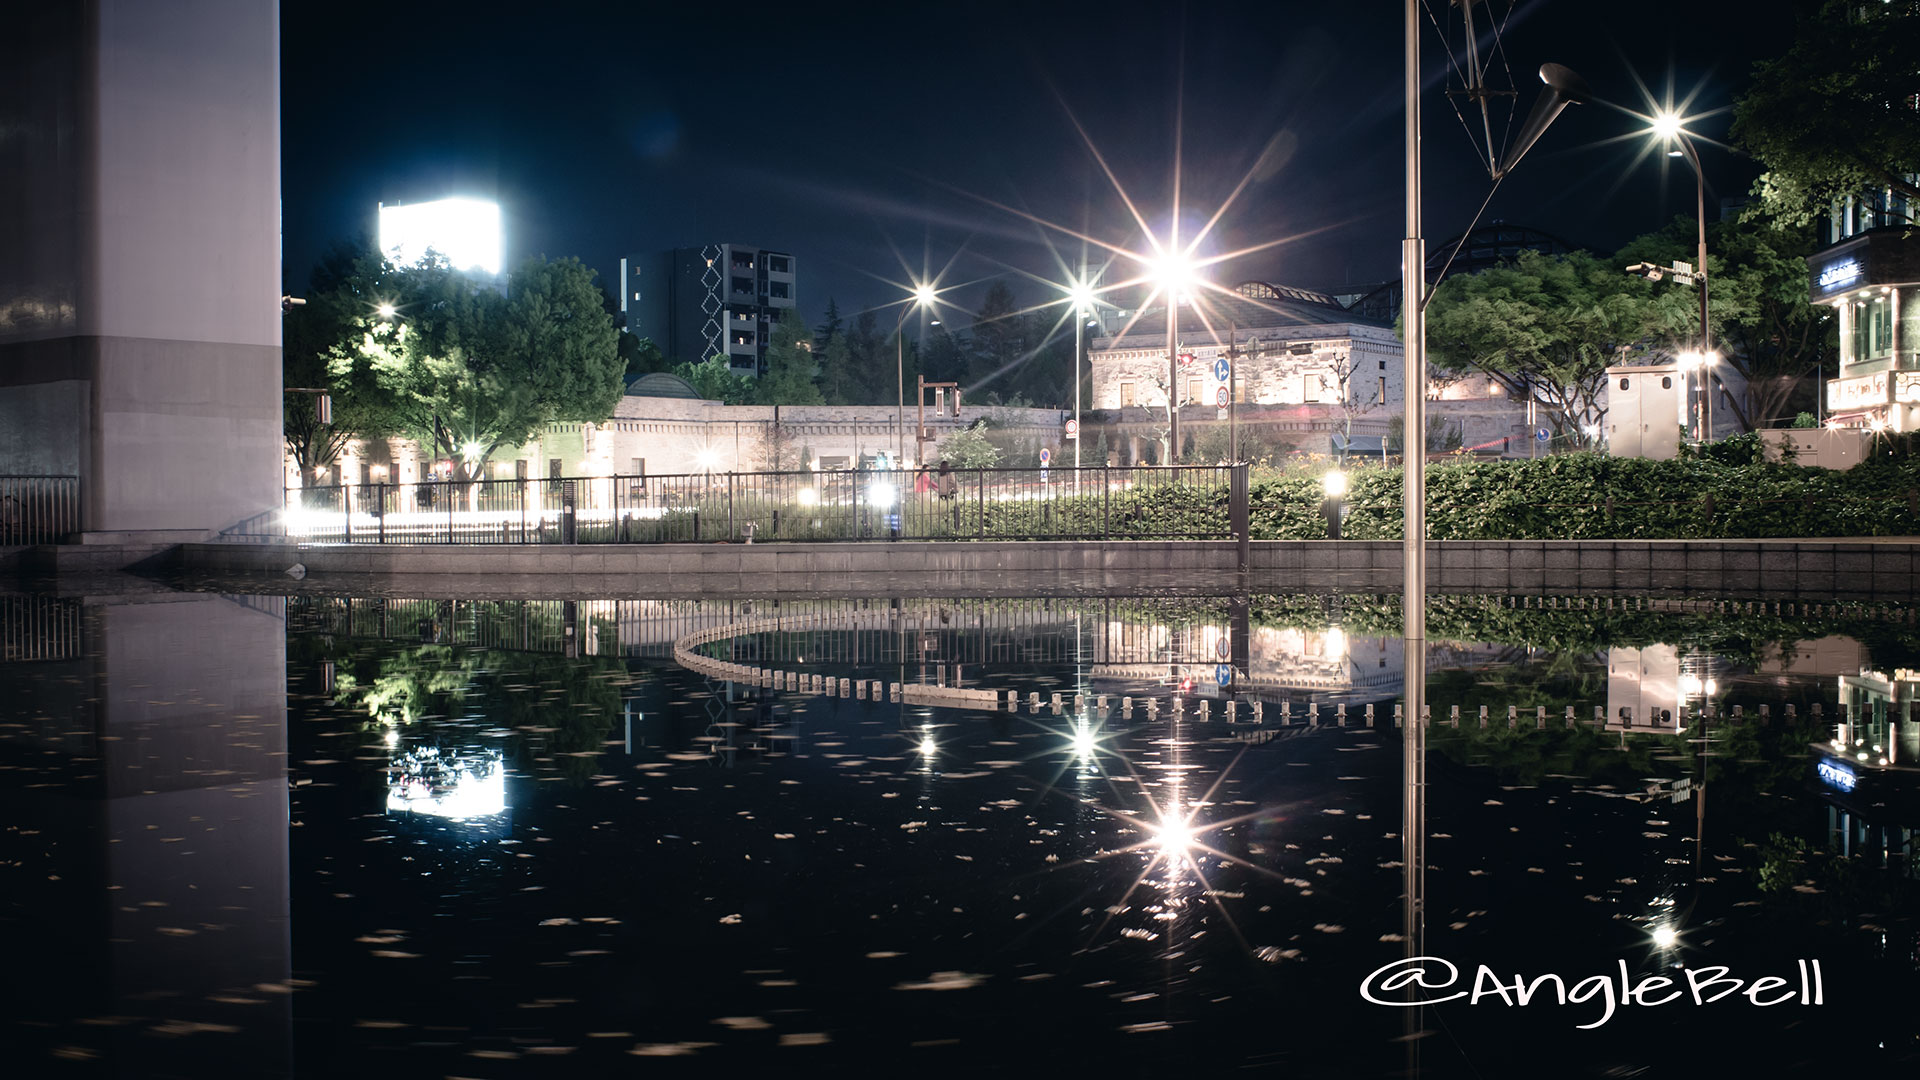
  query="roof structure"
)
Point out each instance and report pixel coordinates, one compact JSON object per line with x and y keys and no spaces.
{"x":1251,"y":305}
{"x":661,"y":384}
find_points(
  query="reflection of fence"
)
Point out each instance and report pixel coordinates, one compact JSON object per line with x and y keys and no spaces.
{"x":39,"y":628}
{"x":1144,"y":502}
{"x":38,"y":509}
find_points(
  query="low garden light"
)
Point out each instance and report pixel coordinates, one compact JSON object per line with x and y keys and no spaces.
{"x":1334,"y":507}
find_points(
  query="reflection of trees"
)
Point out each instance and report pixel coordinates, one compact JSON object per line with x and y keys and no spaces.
{"x":1586,"y":625}
{"x":1524,"y":756}
{"x":556,"y":707}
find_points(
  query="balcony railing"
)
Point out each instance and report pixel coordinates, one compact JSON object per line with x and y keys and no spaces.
{"x":1133,"y":503}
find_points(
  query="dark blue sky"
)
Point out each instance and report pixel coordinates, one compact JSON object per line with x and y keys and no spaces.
{"x":850,"y":133}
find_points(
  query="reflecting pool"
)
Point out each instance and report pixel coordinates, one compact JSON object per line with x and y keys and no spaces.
{"x":436,"y":836}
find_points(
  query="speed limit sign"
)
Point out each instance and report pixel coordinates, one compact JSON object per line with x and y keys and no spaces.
{"x":1220,"y":397}
{"x":1073,"y":429}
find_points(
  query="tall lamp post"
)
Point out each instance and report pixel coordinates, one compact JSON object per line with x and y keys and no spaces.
{"x":1174,"y":271}
{"x":922,"y":297}
{"x":1671,"y":126}
{"x":1080,"y":296}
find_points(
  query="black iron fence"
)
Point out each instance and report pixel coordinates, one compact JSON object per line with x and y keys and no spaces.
{"x":38,"y":509}
{"x":1183,"y":502}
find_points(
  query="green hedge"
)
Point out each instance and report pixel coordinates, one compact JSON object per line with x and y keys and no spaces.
{"x":1723,"y":491}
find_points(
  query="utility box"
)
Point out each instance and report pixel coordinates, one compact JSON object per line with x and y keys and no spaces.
{"x":1645,"y":408}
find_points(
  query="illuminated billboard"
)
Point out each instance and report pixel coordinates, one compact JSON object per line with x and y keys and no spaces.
{"x":466,"y":231}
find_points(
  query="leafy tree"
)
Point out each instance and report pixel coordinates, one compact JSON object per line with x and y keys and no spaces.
{"x":999,"y":338}
{"x":1548,"y":326}
{"x":640,"y":356}
{"x":869,"y":353}
{"x":466,"y":370}
{"x":1835,"y":116}
{"x":946,"y":357}
{"x":789,"y":376}
{"x":828,"y":329}
{"x":839,"y":382}
{"x":1763,"y":324}
{"x":714,"y":380}
{"x":337,"y":295}
{"x":970,"y":449}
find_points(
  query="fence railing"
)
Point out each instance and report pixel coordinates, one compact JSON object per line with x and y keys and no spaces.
{"x":38,"y":509}
{"x":1186,"y":502}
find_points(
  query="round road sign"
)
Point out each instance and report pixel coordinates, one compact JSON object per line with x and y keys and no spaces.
{"x":1046,"y":455}
{"x":1073,"y":429}
{"x":1220,"y":397}
{"x":1220,"y":369}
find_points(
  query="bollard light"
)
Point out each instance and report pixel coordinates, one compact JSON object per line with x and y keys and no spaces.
{"x":1334,"y":484}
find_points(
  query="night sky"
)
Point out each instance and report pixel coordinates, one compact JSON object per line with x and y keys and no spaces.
{"x":874,"y":140}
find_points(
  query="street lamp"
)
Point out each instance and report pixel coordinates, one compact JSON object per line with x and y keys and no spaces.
{"x":1175,"y":272}
{"x":1670,"y":126}
{"x":923,"y":295}
{"x":1080,"y":297}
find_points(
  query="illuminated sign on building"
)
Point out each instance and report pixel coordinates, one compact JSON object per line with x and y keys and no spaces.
{"x":1836,"y":775}
{"x":1867,"y":391}
{"x":466,"y":231}
{"x":1840,"y":274}
{"x":1906,"y":386}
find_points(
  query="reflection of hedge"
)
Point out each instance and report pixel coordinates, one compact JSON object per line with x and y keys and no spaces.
{"x":1726,"y":491}
{"x":1591,"y":624}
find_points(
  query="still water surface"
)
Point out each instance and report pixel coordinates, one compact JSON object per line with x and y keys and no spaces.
{"x":260,"y":835}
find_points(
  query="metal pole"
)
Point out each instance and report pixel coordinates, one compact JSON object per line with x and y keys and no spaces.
{"x":1413,"y":258}
{"x":1079,"y":330}
{"x":900,"y":379}
{"x":1173,"y":377}
{"x":1706,"y":331}
{"x":1233,"y":373}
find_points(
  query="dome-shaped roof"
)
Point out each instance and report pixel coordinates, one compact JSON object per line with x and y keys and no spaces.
{"x":662,"y":384}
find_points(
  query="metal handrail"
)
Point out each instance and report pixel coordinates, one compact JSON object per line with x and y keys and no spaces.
{"x":1190,"y":502}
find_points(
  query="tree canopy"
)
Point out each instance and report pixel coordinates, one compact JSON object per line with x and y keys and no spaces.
{"x":788,"y":379}
{"x":1547,"y":326}
{"x":310,"y":335}
{"x":464,"y":369}
{"x":1764,"y":327}
{"x":1834,"y":117}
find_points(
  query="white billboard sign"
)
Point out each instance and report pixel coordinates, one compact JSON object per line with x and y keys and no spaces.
{"x":466,"y":231}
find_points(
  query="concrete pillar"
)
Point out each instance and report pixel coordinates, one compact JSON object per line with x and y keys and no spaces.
{"x":140,"y":260}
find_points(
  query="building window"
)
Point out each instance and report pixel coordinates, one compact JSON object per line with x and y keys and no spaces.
{"x":636,"y":296}
{"x":1195,"y":391}
{"x":1126,"y":395}
{"x":743,"y":285}
{"x":553,"y":468}
{"x":1383,"y":365}
{"x":779,"y":264}
{"x":742,"y":261}
{"x":779,"y":290}
{"x":1383,"y":389}
{"x":1872,"y":328}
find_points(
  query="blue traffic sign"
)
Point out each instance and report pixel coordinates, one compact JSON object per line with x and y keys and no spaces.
{"x":1046,"y":455}
{"x":1223,"y":674}
{"x":1543,"y":434}
{"x":1220,"y":369}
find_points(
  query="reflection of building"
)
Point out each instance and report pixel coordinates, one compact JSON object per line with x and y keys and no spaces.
{"x":717,"y":300}
{"x":1652,"y":688}
{"x":1870,"y":274}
